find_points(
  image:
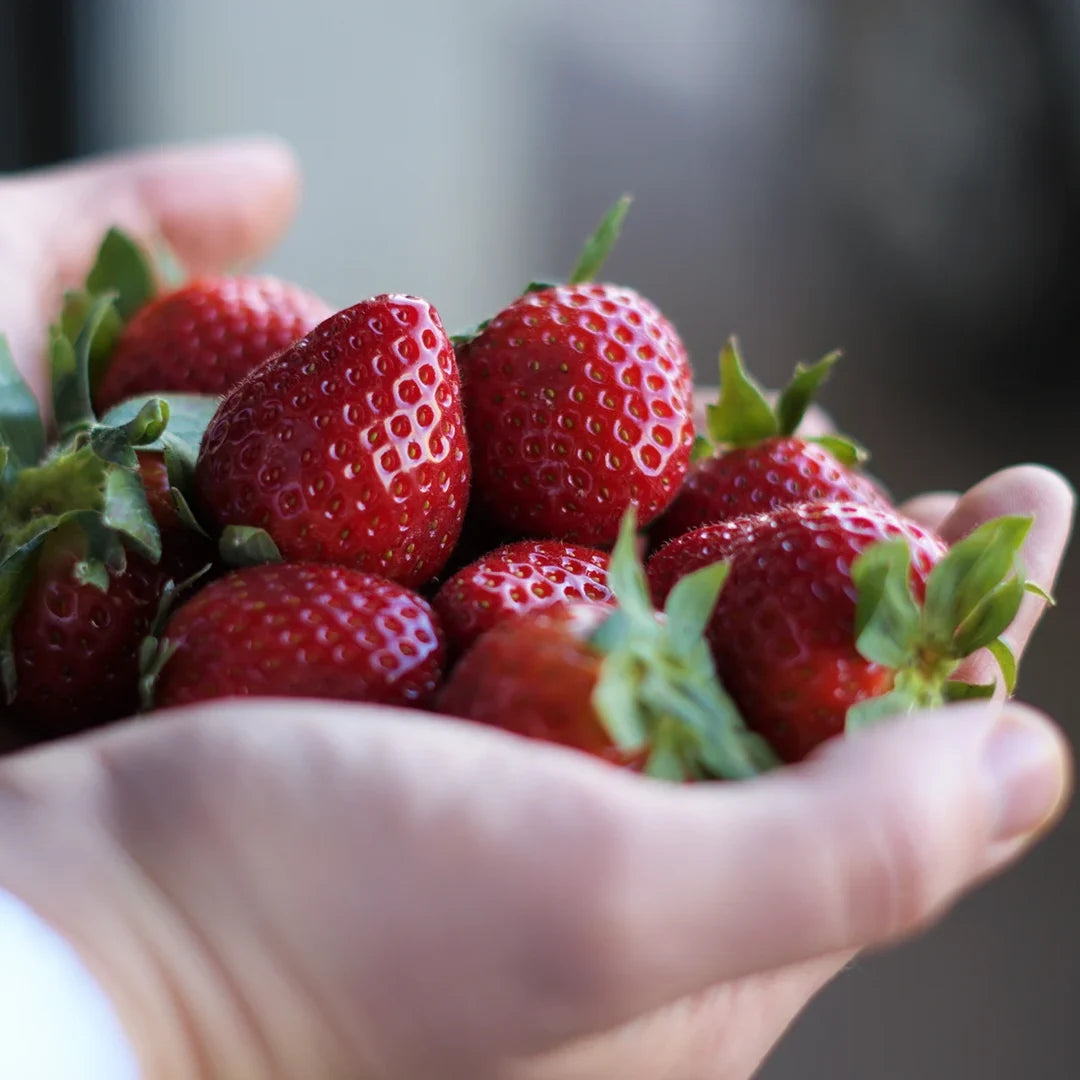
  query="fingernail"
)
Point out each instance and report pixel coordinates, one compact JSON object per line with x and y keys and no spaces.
{"x":1025,"y":763}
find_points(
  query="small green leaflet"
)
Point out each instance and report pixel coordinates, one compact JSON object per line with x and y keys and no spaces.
{"x":626,"y":578}
{"x":690,"y":604}
{"x":797,"y":395}
{"x":887,"y":619}
{"x":971,"y":570}
{"x":743,"y":414}
{"x":122,"y":268}
{"x":72,"y":406}
{"x":1006,"y":660}
{"x":598,"y":246}
{"x":245,"y":545}
{"x":21,"y":430}
{"x":189,"y":415}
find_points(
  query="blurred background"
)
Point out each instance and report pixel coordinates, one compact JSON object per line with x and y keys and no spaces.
{"x":900,"y":180}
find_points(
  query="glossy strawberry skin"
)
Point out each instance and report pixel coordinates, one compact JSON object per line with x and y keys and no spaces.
{"x":780,"y":471}
{"x":534,"y":676}
{"x":302,"y":630}
{"x":529,"y":576}
{"x":75,"y":647}
{"x":349,"y":447}
{"x":782,"y":633}
{"x":578,"y":400}
{"x":204,"y":337}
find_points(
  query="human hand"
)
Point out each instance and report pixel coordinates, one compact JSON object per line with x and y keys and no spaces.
{"x":300,"y":888}
{"x":297,"y":889}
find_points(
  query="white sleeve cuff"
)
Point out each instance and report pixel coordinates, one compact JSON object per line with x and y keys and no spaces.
{"x":55,"y":1021}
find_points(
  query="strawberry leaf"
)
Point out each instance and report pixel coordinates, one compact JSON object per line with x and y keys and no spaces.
{"x":189,"y":415}
{"x":846,"y":451}
{"x":796,"y":397}
{"x":21,"y":431}
{"x":70,"y":360}
{"x":887,"y":618}
{"x":116,"y":444}
{"x":958,"y":690}
{"x":973,"y":568}
{"x":626,"y":577}
{"x":616,"y":700}
{"x":122,"y":268}
{"x":598,"y":246}
{"x":92,"y":572}
{"x":1006,"y":660}
{"x":73,"y":314}
{"x":16,"y":572}
{"x":742,"y":415}
{"x":127,"y":512}
{"x":245,"y":545}
{"x":872,"y":711}
{"x":990,"y":617}
{"x":691,"y":602}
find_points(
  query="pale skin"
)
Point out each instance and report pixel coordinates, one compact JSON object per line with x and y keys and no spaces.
{"x":299,"y":889}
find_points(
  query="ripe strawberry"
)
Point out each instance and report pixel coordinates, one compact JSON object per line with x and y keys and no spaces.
{"x":532,"y":575}
{"x":300,"y":630}
{"x":835,"y":615}
{"x":89,"y":537}
{"x":206,"y":336}
{"x":578,"y":401}
{"x":627,"y":685}
{"x":349,"y":446}
{"x":753,"y":462}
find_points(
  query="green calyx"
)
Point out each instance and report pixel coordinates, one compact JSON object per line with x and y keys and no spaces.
{"x":125,"y":274}
{"x":88,"y":482}
{"x":594,"y":254}
{"x":743,"y":414}
{"x":658,"y":692}
{"x":972,"y":596}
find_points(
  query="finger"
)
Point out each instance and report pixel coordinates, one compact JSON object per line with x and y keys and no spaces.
{"x":1029,"y":490}
{"x":866,"y":844}
{"x":931,"y":509}
{"x":217,"y":205}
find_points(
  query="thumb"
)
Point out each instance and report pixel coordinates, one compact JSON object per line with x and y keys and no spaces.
{"x":865,"y":844}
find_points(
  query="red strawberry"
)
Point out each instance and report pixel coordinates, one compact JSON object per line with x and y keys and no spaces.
{"x":626,"y":685}
{"x":89,"y":538}
{"x":532,"y":575}
{"x":753,"y":461}
{"x":834,"y":615}
{"x":76,"y":635}
{"x":578,"y":401}
{"x":301,"y":630}
{"x":206,"y":336}
{"x":349,"y":446}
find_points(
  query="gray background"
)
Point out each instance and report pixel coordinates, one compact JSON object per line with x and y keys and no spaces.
{"x":896,"y":179}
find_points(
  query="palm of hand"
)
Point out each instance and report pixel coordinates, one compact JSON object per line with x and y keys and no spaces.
{"x":366,"y":892}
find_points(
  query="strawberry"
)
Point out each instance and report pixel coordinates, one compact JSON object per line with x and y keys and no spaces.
{"x":348,"y":447}
{"x":752,"y":460}
{"x":627,"y":685}
{"x":299,"y":630}
{"x":835,"y":615}
{"x":89,"y":539}
{"x":531,"y":575}
{"x":578,"y":402}
{"x":206,"y":336}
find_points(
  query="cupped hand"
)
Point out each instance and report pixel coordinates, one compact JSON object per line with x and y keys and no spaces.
{"x":301,"y":889}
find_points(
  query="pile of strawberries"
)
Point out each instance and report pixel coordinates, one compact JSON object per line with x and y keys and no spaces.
{"x":249,"y":494}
